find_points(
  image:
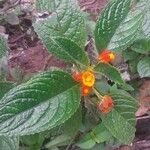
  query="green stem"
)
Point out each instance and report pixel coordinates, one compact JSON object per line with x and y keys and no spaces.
{"x":100,"y":97}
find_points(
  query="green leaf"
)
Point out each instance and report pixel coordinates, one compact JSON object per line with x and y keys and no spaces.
{"x":86,"y":143}
{"x":121,"y":121}
{"x":66,"y":21}
{"x":60,"y":140}
{"x":110,"y":72}
{"x":129,"y":55}
{"x":126,"y":33}
{"x":5,"y":87}
{"x":146,"y":23}
{"x":127,"y":87}
{"x":3,"y":47}
{"x":45,"y":101}
{"x":9,"y":143}
{"x":144,"y":6}
{"x":133,"y":65}
{"x":33,"y":140}
{"x":141,"y":46}
{"x":108,"y":23}
{"x":99,"y":134}
{"x":72,"y":125}
{"x":143,"y":67}
{"x":47,"y":5}
{"x":67,"y":50}
{"x":102,"y":86}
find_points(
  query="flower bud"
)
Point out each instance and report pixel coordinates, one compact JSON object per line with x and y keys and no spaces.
{"x":77,"y":76}
{"x":86,"y":90}
{"x":106,"y":56}
{"x":106,"y":105}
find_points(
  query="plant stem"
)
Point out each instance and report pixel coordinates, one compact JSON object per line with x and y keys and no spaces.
{"x":100,"y":97}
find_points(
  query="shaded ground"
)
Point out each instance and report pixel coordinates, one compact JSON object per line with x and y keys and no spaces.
{"x":94,"y":7}
{"x":27,"y":52}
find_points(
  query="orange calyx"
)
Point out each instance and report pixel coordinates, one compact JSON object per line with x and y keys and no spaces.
{"x":88,"y":78}
{"x":77,"y":76}
{"x":106,"y":56}
{"x":86,"y":90}
{"x":106,"y":104}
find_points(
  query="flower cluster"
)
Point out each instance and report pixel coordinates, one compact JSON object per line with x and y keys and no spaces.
{"x":87,"y":80}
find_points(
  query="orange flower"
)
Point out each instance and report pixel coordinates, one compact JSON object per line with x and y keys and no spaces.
{"x":77,"y":76}
{"x":106,"y":104}
{"x":88,"y":78}
{"x":106,"y":56}
{"x":86,"y":90}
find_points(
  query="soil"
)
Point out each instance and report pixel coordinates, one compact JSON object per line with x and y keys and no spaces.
{"x":94,"y":7}
{"x":27,"y":51}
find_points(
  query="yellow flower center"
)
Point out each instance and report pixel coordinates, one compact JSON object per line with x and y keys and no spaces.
{"x":88,"y":78}
{"x":112,"y":56}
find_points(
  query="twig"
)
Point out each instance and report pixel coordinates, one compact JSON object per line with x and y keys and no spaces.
{"x":47,"y":63}
{"x":18,"y":38}
{"x":70,"y":144}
